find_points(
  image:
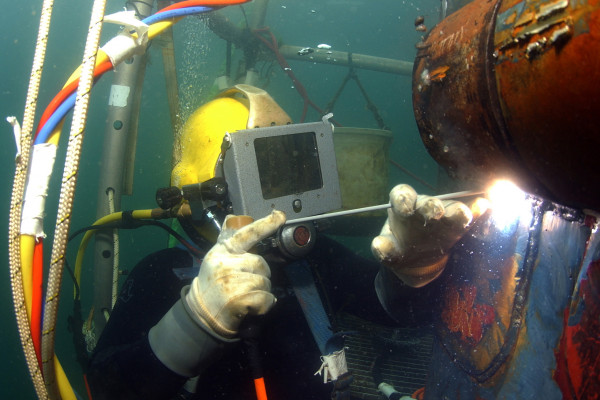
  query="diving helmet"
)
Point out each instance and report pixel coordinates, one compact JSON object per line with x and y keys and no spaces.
{"x":198,"y":155}
{"x":200,"y":144}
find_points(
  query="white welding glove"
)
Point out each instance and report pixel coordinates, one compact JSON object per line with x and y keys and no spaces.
{"x":233,"y":283}
{"x":415,"y":240}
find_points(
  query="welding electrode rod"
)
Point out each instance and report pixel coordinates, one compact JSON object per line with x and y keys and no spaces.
{"x":446,"y":196}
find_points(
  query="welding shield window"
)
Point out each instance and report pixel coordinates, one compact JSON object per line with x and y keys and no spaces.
{"x":288,"y":164}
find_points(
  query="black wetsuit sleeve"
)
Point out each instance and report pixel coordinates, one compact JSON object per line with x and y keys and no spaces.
{"x":123,"y":365}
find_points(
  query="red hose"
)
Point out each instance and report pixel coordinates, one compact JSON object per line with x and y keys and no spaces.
{"x":36,"y":298}
{"x":66,"y":92}
{"x":104,"y":67}
{"x":202,"y":3}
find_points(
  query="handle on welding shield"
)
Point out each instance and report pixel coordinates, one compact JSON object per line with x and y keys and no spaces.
{"x":214,"y":189}
{"x":250,"y":328}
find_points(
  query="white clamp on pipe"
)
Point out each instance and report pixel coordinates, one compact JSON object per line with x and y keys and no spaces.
{"x":17,"y":131}
{"x":42,"y":162}
{"x":125,"y":45}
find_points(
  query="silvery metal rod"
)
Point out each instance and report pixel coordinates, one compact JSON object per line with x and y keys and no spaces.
{"x":447,"y":196}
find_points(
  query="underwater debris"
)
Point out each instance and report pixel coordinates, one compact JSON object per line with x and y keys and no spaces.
{"x":548,"y":10}
{"x":324,"y":46}
{"x":534,"y":49}
{"x":304,"y":51}
{"x":438,"y":74}
{"x":422,"y":45}
{"x":561,"y":35}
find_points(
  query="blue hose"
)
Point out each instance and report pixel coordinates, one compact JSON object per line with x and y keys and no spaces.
{"x":180,"y":12}
{"x":55,"y":119}
{"x":69,"y":102}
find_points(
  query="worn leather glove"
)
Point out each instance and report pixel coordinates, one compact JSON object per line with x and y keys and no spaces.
{"x":418,"y":233}
{"x":232,"y":282}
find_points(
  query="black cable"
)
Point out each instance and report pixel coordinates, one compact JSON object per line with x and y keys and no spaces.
{"x":75,"y":321}
{"x":127,"y":222}
{"x":228,"y":59}
{"x":245,"y":17}
{"x":370,"y":106}
{"x":75,"y":324}
{"x":109,"y":225}
{"x":72,"y":275}
{"x":198,"y":253}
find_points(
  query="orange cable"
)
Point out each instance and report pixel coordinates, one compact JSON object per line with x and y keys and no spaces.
{"x":259,"y":386}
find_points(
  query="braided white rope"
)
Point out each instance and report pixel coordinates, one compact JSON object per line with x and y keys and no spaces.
{"x":69,"y":180}
{"x":14,"y":248}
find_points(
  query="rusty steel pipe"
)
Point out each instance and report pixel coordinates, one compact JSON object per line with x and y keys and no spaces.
{"x":511,"y":88}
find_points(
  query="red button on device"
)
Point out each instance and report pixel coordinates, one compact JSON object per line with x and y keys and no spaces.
{"x":301,"y":236}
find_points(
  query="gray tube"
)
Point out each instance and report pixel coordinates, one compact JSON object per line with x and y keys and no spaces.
{"x":119,"y":137}
{"x":362,"y":61}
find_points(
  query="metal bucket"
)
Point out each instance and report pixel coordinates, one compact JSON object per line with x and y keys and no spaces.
{"x":363,"y":161}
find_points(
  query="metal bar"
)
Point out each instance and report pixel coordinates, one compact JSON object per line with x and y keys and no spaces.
{"x":447,"y":196}
{"x":120,"y":135}
{"x":362,"y":61}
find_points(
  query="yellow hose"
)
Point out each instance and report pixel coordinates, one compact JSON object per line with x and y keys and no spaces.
{"x":27,"y":246}
{"x":153,"y":31}
{"x":64,"y":386}
{"x":114,"y":217}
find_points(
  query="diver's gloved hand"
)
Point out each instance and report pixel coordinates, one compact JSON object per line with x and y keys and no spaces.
{"x":418,"y":233}
{"x":233,"y":283}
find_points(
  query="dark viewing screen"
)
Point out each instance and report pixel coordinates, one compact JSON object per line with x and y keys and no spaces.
{"x":288,"y":164}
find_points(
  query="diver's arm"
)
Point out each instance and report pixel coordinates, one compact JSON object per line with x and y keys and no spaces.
{"x":158,"y":364}
{"x":231,"y":284}
{"x":199,"y":327}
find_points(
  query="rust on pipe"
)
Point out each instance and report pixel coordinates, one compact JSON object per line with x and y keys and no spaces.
{"x":509,"y":88}
{"x":454,"y":98}
{"x":548,"y":76}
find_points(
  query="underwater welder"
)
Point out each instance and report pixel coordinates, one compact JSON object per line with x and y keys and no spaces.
{"x":514,"y":301}
{"x":173,"y":321}
{"x":503,"y":89}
